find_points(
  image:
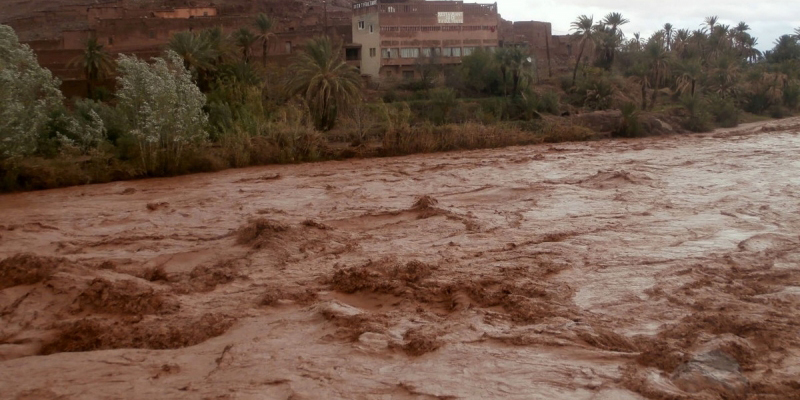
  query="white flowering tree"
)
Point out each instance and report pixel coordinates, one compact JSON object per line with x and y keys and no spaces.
{"x":28,"y":95}
{"x":164,"y":109}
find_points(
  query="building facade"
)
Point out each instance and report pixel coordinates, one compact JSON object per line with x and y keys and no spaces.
{"x":396,"y":36}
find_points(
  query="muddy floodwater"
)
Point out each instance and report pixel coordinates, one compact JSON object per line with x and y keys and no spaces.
{"x":660,"y":268}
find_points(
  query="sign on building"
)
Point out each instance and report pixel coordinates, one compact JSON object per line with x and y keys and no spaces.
{"x":451,"y":17}
{"x":365,"y":4}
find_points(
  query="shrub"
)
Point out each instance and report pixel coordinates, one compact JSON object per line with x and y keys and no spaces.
{"x":549,"y":102}
{"x":724,"y":111}
{"x":595,"y":90}
{"x":163,"y":108}
{"x":699,"y":120}
{"x":630,"y":127}
{"x":442,"y":100}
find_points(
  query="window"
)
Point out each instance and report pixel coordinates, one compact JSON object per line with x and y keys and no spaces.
{"x":110,"y":40}
{"x":451,"y":51}
{"x":352,"y":54}
{"x":468,"y":50}
{"x":408,"y":74}
{"x":371,"y":28}
{"x":372,"y":52}
{"x":390,"y":53}
{"x":288,"y":47}
{"x":361,"y":25}
{"x":409,"y":53}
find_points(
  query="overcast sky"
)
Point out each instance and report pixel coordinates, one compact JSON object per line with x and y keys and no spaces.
{"x":768,"y":19}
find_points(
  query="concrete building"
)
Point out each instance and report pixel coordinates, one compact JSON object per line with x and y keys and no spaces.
{"x":395,"y":36}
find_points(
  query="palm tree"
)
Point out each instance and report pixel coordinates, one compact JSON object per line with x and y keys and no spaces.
{"x":244,"y":39}
{"x":264,"y":26}
{"x":198,"y":53}
{"x":657,"y":57}
{"x":681,"y":42}
{"x":511,"y":61}
{"x":689,"y":72}
{"x":711,"y":22}
{"x":668,"y":30}
{"x":612,"y":36}
{"x":517,"y":59}
{"x":95,"y":62}
{"x":324,"y":80}
{"x":584,"y":30}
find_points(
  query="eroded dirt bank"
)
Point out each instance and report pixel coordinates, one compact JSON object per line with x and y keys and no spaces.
{"x":665,"y":268}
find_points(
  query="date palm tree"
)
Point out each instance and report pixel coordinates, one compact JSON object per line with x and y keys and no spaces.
{"x":657,"y":56}
{"x":322,"y":78}
{"x":668,"y":31}
{"x":612,"y":37}
{"x":584,"y":32}
{"x":95,"y":62}
{"x":244,"y":39}
{"x":198,"y":54}
{"x":264,"y":25}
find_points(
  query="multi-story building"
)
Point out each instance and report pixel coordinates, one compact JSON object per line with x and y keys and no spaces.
{"x":396,"y":36}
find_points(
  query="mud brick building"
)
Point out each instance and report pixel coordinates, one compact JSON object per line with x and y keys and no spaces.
{"x":381,"y":37}
{"x":394,"y":36}
{"x":550,"y":52}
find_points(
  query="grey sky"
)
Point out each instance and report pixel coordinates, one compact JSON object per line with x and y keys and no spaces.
{"x":768,"y":19}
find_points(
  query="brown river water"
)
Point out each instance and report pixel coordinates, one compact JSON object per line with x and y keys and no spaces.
{"x":659,"y":268}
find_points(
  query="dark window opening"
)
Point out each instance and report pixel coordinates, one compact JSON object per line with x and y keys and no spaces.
{"x":351,"y":54}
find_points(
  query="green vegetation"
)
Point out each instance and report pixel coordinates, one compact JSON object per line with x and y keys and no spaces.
{"x":206,"y":105}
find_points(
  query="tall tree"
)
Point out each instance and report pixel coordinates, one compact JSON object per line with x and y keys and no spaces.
{"x":198,"y":53}
{"x":668,"y":31}
{"x":657,"y":56}
{"x":711,"y":22}
{"x":264,"y":25}
{"x":612,"y":36}
{"x":584,"y":32}
{"x":322,"y":78}
{"x":95,"y":62}
{"x":244,"y":39}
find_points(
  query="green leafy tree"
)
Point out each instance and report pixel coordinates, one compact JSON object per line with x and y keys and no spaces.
{"x":480,"y":72}
{"x":28,"y":95}
{"x":163,"y":108}
{"x":264,"y":25}
{"x":322,"y":78}
{"x":95,"y":62}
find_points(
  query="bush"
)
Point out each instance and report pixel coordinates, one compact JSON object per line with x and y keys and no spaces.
{"x":699,"y":120}
{"x":724,"y":111}
{"x":442,"y":100}
{"x":595,"y":90}
{"x":549,"y":102}
{"x":163,"y":108}
{"x":630,"y":126}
